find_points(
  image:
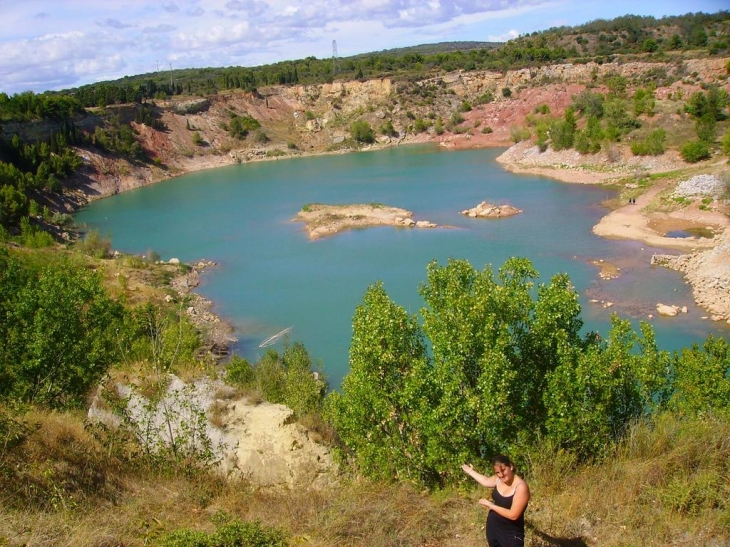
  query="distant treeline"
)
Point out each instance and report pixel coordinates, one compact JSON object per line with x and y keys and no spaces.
{"x":597,"y":40}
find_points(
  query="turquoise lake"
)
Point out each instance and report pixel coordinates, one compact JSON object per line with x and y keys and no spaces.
{"x":271,"y":276}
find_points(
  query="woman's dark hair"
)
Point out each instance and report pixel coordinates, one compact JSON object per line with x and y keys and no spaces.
{"x":503,"y":460}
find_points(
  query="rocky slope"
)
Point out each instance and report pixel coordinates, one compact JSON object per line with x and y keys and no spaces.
{"x":709,"y":274}
{"x":298,"y":120}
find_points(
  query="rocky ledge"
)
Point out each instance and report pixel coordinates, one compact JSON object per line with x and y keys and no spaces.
{"x":488,"y":210}
{"x":324,"y":220}
{"x":709,"y":274}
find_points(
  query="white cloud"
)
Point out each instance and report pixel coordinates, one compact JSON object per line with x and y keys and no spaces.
{"x":509,"y":35}
{"x":48,"y":43}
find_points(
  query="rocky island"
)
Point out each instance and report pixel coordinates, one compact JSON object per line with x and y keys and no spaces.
{"x":488,"y":210}
{"x":324,"y":220}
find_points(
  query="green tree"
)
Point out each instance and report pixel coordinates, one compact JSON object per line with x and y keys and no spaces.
{"x":59,"y":331}
{"x":378,"y":416}
{"x":653,"y":145}
{"x":706,"y":128}
{"x":694,"y":151}
{"x":701,"y":379}
{"x":493,"y":344}
{"x":726,"y":143}
{"x":13,"y":205}
{"x":644,"y":102}
{"x":362,"y":132}
{"x":562,"y":132}
{"x":596,"y":394}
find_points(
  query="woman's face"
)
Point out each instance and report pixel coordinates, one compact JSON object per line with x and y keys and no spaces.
{"x":504,"y":472}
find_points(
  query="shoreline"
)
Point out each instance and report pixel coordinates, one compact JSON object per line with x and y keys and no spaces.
{"x":630,"y":222}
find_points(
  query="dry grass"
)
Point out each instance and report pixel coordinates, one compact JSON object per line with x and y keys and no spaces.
{"x":668,"y":484}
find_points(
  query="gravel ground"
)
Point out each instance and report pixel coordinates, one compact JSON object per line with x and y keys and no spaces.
{"x":703,"y":185}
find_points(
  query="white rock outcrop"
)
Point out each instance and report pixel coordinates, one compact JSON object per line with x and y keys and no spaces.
{"x":488,"y":210}
{"x":258,"y":441}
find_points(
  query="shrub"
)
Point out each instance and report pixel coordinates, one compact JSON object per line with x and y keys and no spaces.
{"x":286,"y":379}
{"x":484,"y":98}
{"x":506,"y":92}
{"x":421,"y":125}
{"x":519,"y":133}
{"x":362,"y":132}
{"x":653,"y":145}
{"x":694,"y":151}
{"x":457,"y":118}
{"x":726,"y":143}
{"x":94,"y":245}
{"x":41,"y":363}
{"x":387,"y":129}
{"x":33,"y":237}
{"x":438,"y":126}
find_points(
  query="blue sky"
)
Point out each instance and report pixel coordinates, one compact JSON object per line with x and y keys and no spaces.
{"x":57,"y":44}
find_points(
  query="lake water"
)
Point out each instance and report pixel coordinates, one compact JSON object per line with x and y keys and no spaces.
{"x":271,"y":276}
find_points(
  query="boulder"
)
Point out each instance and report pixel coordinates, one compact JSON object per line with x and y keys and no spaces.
{"x":488,"y":210}
{"x":667,"y":311}
{"x":425,"y":224}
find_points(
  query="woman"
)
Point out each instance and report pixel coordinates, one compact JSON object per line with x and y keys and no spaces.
{"x":506,"y":519}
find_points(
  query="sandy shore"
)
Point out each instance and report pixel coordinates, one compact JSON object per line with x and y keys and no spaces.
{"x":706,"y":262}
{"x":633,"y":222}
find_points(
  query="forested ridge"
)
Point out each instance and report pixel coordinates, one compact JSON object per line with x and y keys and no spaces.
{"x":621,"y":441}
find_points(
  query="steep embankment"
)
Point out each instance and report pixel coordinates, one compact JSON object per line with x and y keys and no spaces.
{"x":299,"y":120}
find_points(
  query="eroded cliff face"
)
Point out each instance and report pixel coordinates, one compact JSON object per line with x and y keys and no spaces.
{"x":308,"y":119}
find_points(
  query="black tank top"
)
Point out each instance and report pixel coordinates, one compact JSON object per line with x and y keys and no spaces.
{"x":502,"y":528}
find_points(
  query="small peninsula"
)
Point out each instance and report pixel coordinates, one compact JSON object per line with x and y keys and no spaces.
{"x":325,"y":220}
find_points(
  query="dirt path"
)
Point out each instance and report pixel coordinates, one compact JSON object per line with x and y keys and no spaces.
{"x":632,"y":222}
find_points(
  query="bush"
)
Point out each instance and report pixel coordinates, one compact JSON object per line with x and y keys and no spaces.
{"x":694,"y":151}
{"x":506,"y":92}
{"x":94,"y":245}
{"x":235,"y":533}
{"x":484,"y":98}
{"x":362,"y":132}
{"x":286,"y":379}
{"x":387,"y":129}
{"x":653,"y":145}
{"x":519,"y":133}
{"x":457,"y":118}
{"x":59,"y":330}
{"x":421,"y":125}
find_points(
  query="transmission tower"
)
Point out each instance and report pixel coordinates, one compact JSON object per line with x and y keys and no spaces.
{"x":334,"y":57}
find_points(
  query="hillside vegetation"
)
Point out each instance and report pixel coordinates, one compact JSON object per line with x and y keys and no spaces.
{"x":622,"y":443}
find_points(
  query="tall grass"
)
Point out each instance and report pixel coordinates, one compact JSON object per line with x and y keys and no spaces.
{"x":667,"y":483}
